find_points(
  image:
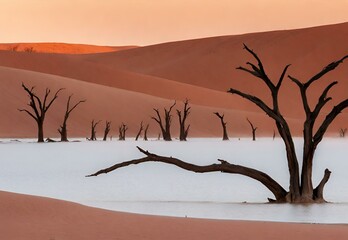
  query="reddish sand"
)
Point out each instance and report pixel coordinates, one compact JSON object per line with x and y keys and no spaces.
{"x":200,"y":70}
{"x":67,"y":48}
{"x":28,"y":217}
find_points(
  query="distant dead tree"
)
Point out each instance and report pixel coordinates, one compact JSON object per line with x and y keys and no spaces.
{"x":343,"y":132}
{"x":63,"y":128}
{"x":141,"y":128}
{"x":122,"y":132}
{"x":253,"y":129}
{"x":223,"y":124}
{"x":106,"y":130}
{"x":145,"y":132}
{"x":39,"y":108}
{"x":13,"y":48}
{"x":165,"y":127}
{"x":29,"y":49}
{"x":274,"y":134}
{"x":93,"y":131}
{"x":182,"y":120}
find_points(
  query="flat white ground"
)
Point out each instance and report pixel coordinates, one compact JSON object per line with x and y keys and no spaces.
{"x":58,"y":170}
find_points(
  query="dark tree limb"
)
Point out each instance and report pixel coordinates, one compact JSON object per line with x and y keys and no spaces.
{"x":182,"y":121}
{"x":93,"y":130}
{"x":319,"y":190}
{"x":225,"y":167}
{"x":145,"y":132}
{"x":122,"y":132}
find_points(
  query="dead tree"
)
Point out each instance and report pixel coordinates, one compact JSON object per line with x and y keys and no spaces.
{"x":165,"y":127}
{"x":253,"y":129}
{"x":39,"y":108}
{"x":145,"y":132}
{"x":182,"y":121}
{"x":223,"y":124}
{"x":300,"y":185}
{"x":63,"y":128}
{"x":140,"y":131}
{"x":343,"y":132}
{"x":93,"y":130}
{"x":122,"y":132}
{"x":106,"y":130}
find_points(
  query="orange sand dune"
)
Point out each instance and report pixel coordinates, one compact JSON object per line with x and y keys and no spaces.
{"x":200,"y":70}
{"x":66,"y":48}
{"x":29,"y":217}
{"x":106,"y":103}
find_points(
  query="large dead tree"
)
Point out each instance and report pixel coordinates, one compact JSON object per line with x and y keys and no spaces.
{"x":164,"y":126}
{"x":182,"y":115}
{"x":223,"y":124}
{"x":122,"y":132}
{"x":63,"y":130}
{"x":93,"y":130}
{"x":301,"y":188}
{"x":39,"y":107}
{"x":253,"y":129}
{"x":106,"y":130}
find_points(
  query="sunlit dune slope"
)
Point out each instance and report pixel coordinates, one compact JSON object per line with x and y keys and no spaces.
{"x":66,"y":48}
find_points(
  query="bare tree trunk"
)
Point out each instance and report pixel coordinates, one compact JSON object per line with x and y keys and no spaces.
{"x":343,"y":132}
{"x":106,"y":130}
{"x":93,"y":130}
{"x":40,"y":132}
{"x":182,"y":121}
{"x":253,"y":129}
{"x":140,"y":131}
{"x":122,"y":132}
{"x":145,"y":132}
{"x":223,"y":124}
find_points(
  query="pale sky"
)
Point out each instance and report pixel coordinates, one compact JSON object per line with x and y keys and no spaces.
{"x":145,"y":22}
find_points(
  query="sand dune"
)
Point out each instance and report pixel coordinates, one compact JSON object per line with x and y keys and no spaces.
{"x":60,"y":48}
{"x":200,"y":70}
{"x":28,"y":217}
{"x":106,"y":103}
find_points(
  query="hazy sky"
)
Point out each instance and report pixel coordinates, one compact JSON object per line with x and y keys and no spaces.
{"x":144,"y":22}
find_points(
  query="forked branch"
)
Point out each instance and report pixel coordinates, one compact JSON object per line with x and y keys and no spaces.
{"x":225,"y":167}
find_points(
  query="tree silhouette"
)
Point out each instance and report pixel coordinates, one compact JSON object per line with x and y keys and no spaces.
{"x":141,"y":128}
{"x":343,"y":132}
{"x":122,"y":132}
{"x":39,"y":108}
{"x":300,"y":186}
{"x":106,"y":130}
{"x":63,"y":128}
{"x":182,"y":121}
{"x":253,"y":130}
{"x":223,"y":124}
{"x":93,"y":131}
{"x":165,"y":127}
{"x":145,"y":132}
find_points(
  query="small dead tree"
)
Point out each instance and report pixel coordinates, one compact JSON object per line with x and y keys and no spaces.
{"x":253,"y":129}
{"x":13,"y":48}
{"x":343,"y":132}
{"x":63,"y":128}
{"x":39,"y":108}
{"x":145,"y":132}
{"x":165,"y":127}
{"x":182,"y":121}
{"x":29,"y":49}
{"x":141,"y":128}
{"x":93,"y":130}
{"x":106,"y":130}
{"x":122,"y":132}
{"x":223,"y":124}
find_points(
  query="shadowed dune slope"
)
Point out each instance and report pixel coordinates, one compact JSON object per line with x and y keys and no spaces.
{"x":29,"y":217}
